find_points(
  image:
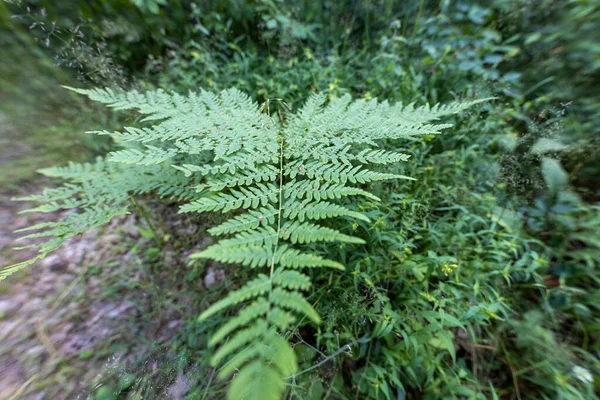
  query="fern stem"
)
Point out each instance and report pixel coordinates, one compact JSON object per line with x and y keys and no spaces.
{"x":279,"y":206}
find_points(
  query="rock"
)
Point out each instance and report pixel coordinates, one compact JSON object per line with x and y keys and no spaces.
{"x":463,"y":334}
{"x":48,"y":282}
{"x":5,"y":241}
{"x":180,"y":388}
{"x":174,"y":324}
{"x":54,"y":263}
{"x":205,"y":242}
{"x":169,"y":258}
{"x":20,"y":223}
{"x":7,"y":327}
{"x":9,"y":306}
{"x":130,"y":229}
{"x":12,"y":376}
{"x":5,"y":217}
{"x":120,"y":309}
{"x":213,"y":276}
{"x":35,"y":350}
{"x":111,"y":239}
{"x":34,"y":305}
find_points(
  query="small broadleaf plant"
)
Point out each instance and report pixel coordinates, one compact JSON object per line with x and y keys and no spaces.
{"x":278,"y":180}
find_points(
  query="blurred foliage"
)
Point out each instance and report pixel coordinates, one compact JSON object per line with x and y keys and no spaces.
{"x":41,"y":123}
{"x":480,"y":279}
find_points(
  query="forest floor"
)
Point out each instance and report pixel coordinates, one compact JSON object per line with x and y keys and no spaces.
{"x":62,"y":333}
{"x":69,"y":324}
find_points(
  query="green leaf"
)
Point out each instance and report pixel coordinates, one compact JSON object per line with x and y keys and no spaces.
{"x":443,"y":339}
{"x":555,"y":176}
{"x":256,"y":382}
{"x":147,"y":233}
{"x":545,"y":145}
{"x":85,"y":354}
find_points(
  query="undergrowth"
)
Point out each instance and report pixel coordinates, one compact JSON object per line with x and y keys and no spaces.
{"x":237,"y":157}
{"x":479,"y":279}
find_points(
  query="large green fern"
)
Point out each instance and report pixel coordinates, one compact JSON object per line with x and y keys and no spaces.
{"x":279,"y":181}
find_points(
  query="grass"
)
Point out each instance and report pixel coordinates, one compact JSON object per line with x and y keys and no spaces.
{"x":42,"y":123}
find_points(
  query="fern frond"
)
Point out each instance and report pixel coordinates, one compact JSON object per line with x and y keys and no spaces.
{"x":251,"y":256}
{"x":314,"y":189}
{"x":242,"y":357}
{"x":74,"y":172}
{"x":301,"y":210}
{"x":222,"y":153}
{"x":260,"y":237}
{"x":229,"y":164}
{"x":275,"y":350}
{"x":281,"y":355}
{"x":291,"y":279}
{"x":250,"y":290}
{"x":153,"y":155}
{"x":324,"y":154}
{"x":260,"y":195}
{"x":296,"y":302}
{"x":242,"y":337}
{"x":337,"y":173}
{"x":157,"y":104}
{"x":251,"y":220}
{"x":368,"y":156}
{"x":12,"y":269}
{"x":255,"y":382}
{"x":280,"y":318}
{"x":266,"y":173}
{"x":428,"y":113}
{"x":294,"y":258}
{"x":245,"y":316}
{"x":305,"y":232}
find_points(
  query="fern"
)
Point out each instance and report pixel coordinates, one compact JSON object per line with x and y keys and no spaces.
{"x":279,"y":183}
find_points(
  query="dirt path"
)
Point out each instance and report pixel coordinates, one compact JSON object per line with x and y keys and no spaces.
{"x":47,"y":333}
{"x":89,"y":314}
{"x":81,"y":322}
{"x":38,"y":338}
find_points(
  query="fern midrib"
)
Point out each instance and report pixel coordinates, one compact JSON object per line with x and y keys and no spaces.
{"x":279,"y":210}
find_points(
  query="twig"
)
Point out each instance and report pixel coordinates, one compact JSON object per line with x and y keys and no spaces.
{"x":20,"y":390}
{"x":512,"y":372}
{"x":364,"y":339}
{"x":62,"y":296}
{"x":43,"y":337}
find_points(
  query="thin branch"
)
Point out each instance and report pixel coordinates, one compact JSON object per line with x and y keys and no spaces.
{"x":364,"y":339}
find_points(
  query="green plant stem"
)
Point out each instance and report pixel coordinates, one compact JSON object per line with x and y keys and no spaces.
{"x":278,"y":218}
{"x":418,"y":18}
{"x":346,"y":347}
{"x":367,"y":30}
{"x":157,"y":237}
